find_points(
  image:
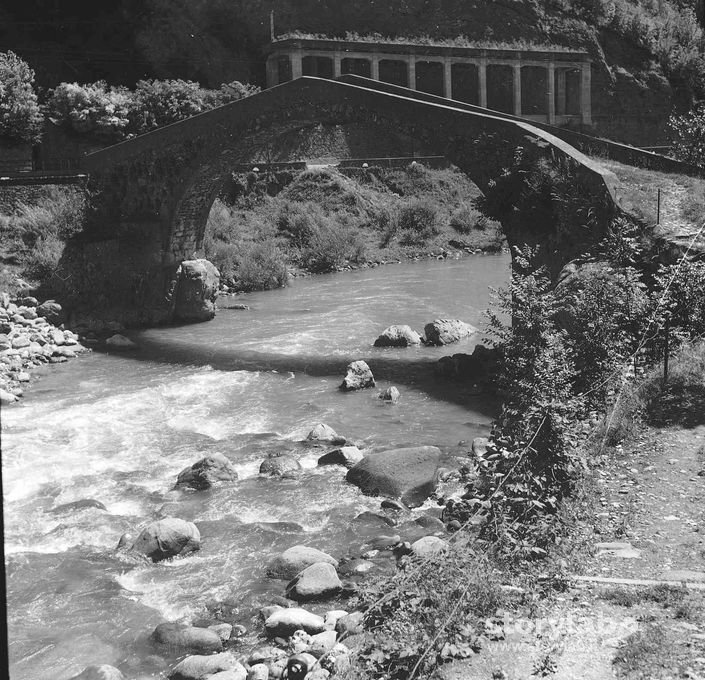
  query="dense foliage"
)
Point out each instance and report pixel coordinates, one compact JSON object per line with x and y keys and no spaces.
{"x":687,"y":135}
{"x":20,"y":117}
{"x":114,"y":113}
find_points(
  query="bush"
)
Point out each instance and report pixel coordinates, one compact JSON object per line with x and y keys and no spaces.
{"x":59,"y":214}
{"x":331,"y":246}
{"x":94,"y":109}
{"x":43,"y":260}
{"x":20,"y":117}
{"x":300,"y":222}
{"x":427,"y":615}
{"x":466,"y":218}
{"x":418,"y":220}
{"x":259,"y":266}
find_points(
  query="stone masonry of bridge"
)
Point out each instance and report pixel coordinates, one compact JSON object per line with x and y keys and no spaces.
{"x":151,"y":195}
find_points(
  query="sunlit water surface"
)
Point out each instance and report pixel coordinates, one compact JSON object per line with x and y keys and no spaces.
{"x":118,"y":428}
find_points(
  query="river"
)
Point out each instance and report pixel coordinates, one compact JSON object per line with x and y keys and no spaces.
{"x":118,"y":428}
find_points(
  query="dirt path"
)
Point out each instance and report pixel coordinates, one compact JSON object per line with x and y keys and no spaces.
{"x":649,"y":525}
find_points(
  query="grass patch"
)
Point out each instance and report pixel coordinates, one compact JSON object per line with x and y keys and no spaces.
{"x":666,"y":595}
{"x":34,"y":236}
{"x":655,"y":652}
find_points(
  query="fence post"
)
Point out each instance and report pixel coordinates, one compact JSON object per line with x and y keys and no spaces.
{"x":658,"y":206}
{"x":667,"y":331}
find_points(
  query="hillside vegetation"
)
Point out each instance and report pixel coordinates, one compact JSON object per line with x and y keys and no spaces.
{"x":648,"y":54}
{"x":321,"y":220}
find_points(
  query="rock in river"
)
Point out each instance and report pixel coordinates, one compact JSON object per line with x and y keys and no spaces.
{"x":185,"y":638}
{"x":206,"y":472}
{"x":102,"y":672}
{"x":196,"y":291}
{"x":283,"y":622}
{"x":346,"y":455}
{"x":323,"y":433}
{"x":410,"y":474}
{"x":398,"y":336}
{"x":445,"y":331}
{"x":296,"y":559}
{"x":279,"y":465}
{"x":316,"y":582}
{"x":358,"y":377}
{"x":201,"y":667}
{"x":167,"y":538}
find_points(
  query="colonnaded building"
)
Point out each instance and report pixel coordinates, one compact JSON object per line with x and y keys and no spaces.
{"x":550,"y":85}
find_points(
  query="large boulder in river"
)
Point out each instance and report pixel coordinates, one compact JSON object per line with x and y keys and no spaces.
{"x":279,"y":465}
{"x":410,"y":474}
{"x":206,"y":472}
{"x":295,"y":560}
{"x":345,"y":455}
{"x":323,"y":433}
{"x":445,"y":331}
{"x":167,"y":538}
{"x":317,"y":582}
{"x":358,"y":377}
{"x":398,"y":336}
{"x":102,"y":672}
{"x":183,"y":638}
{"x":199,"y":667}
{"x":283,"y":622}
{"x":196,"y":291}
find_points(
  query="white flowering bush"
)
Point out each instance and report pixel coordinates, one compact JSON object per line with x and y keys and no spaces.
{"x":20,"y":117}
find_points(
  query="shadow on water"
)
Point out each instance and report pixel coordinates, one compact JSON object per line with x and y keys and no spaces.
{"x":419,"y":374}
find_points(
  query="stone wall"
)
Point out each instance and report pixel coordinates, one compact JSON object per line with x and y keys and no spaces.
{"x":18,"y":191}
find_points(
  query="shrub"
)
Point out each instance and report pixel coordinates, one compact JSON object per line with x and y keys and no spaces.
{"x":259,"y":266}
{"x":331,"y":246}
{"x":418,"y":220}
{"x":466,"y":218}
{"x":43,"y":260}
{"x":300,"y":222}
{"x":425,"y":616}
{"x":59,"y":214}
{"x":94,"y":109}
{"x":20,"y":117}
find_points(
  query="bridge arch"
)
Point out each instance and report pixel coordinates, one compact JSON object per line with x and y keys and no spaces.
{"x":151,"y":195}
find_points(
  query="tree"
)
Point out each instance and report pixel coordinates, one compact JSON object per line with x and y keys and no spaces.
{"x":687,"y":135}
{"x":20,"y":117}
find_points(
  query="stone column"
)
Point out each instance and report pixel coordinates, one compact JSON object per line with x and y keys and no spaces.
{"x":560,"y":92}
{"x":272,"y":71}
{"x":297,"y":68}
{"x":482,"y":82}
{"x":447,"y":79}
{"x":586,"y":95}
{"x":412,"y":72}
{"x":336,"y":65}
{"x":517,"y":89}
{"x":374,"y":67}
{"x":551,"y":92}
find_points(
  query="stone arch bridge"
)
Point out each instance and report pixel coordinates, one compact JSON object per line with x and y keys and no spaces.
{"x":150,"y":196}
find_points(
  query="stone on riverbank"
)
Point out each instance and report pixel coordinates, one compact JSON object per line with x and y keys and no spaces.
{"x":7,"y":398}
{"x":83,"y":504}
{"x":323,"y":433}
{"x":428,"y":546}
{"x":279,"y":465}
{"x":206,"y":472}
{"x":398,"y":336}
{"x":410,"y":474}
{"x":317,"y":582}
{"x":350,"y":624}
{"x":101,"y":672}
{"x":294,"y":560}
{"x":168,"y":537}
{"x":446,"y":331}
{"x":196,"y":291}
{"x":178,"y":636}
{"x":118,"y":341}
{"x":284,"y":622}
{"x":347,"y":456}
{"x":198,"y":667}
{"x":358,"y":377}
